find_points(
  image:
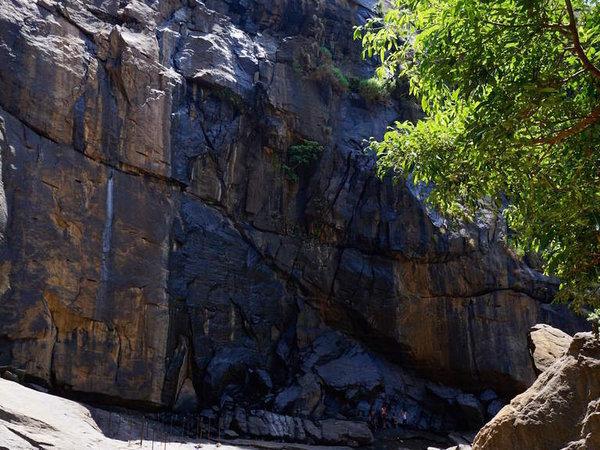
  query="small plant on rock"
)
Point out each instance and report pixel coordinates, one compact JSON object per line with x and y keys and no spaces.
{"x":329,"y":73}
{"x":594,"y":318}
{"x":300,"y":156}
{"x":374,"y":90}
{"x":340,"y":80}
{"x":326,"y":54}
{"x":229,"y":96}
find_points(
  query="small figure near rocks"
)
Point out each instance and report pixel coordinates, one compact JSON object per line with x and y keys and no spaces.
{"x":404,"y":416}
{"x":383,"y":417}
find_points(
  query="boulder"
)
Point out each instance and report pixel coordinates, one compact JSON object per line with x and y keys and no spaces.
{"x":301,"y":398}
{"x":346,"y":432}
{"x":353,"y":370}
{"x":559,"y":411}
{"x":488,"y":395}
{"x":547,"y":344}
{"x":8,"y":375}
{"x":469,"y":409}
{"x":494,"y":408}
{"x":268,"y":425}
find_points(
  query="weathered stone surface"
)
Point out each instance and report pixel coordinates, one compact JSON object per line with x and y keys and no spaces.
{"x":265,"y":424}
{"x":547,"y":344}
{"x":151,"y":234}
{"x":33,"y":420}
{"x":560,"y":410}
{"x":354,"y":433}
{"x":87,"y":270}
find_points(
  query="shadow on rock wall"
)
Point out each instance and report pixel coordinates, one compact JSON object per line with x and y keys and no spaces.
{"x":159,"y":252}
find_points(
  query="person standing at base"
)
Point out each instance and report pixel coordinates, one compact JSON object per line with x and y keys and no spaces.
{"x":383,"y":416}
{"x":404,"y":417}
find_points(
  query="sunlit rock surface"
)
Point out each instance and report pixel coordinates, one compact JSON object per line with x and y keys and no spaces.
{"x":152,"y":235}
{"x":560,"y":410}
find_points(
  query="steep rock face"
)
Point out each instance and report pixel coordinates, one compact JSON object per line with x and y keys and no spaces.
{"x":561,"y":410}
{"x":87,"y":301}
{"x":154,"y":235}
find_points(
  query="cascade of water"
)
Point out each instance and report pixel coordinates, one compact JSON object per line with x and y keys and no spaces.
{"x":106,"y":246}
{"x":3,"y":205}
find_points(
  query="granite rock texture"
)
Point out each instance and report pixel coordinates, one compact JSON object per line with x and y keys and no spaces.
{"x":561,"y":410}
{"x":547,"y":344}
{"x":151,"y":239}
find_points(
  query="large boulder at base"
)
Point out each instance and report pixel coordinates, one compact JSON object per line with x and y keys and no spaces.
{"x":33,"y":420}
{"x":561,"y":410}
{"x":547,"y":344}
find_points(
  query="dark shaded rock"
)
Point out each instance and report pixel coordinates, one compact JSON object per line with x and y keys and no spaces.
{"x":494,"y":408}
{"x":352,"y":370}
{"x":488,"y":395}
{"x":312,"y":431}
{"x":343,"y":431}
{"x":264,"y":424}
{"x":186,"y":399}
{"x":300,"y":398}
{"x":261,"y":379}
{"x":471,"y":409}
{"x":239,"y":421}
{"x":8,"y":375}
{"x":230,"y":434}
{"x":37,"y":387}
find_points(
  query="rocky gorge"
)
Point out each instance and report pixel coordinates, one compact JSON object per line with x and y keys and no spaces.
{"x":161,"y":249}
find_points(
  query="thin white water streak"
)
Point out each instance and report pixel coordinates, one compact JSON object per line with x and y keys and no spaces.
{"x":106,"y":244}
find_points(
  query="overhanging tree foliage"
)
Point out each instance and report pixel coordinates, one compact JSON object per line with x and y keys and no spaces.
{"x":511,"y":93}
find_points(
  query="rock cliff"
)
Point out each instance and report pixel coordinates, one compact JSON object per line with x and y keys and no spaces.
{"x":158,"y":243}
